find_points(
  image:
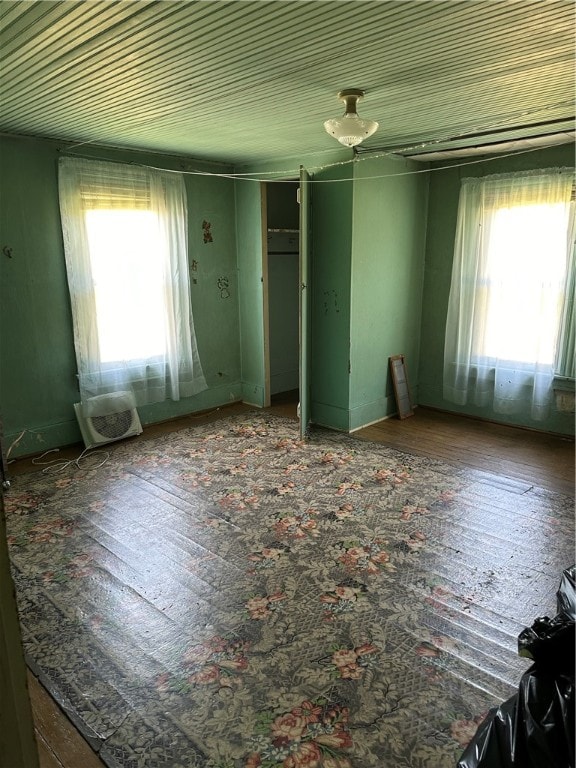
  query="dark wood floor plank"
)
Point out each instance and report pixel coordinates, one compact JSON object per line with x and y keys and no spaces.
{"x":46,"y":757}
{"x":60,"y":745}
{"x":543,"y":460}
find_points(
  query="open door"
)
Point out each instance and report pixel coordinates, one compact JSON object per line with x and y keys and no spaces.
{"x":305,"y":329}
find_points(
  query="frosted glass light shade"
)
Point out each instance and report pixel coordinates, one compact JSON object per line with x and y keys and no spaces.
{"x":350,"y":130}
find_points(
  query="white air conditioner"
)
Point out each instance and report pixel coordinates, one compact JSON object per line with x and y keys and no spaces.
{"x":106,"y":418}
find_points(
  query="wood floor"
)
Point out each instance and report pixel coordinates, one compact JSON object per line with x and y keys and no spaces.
{"x":523,"y":455}
{"x":60,"y":745}
{"x":532,"y":457}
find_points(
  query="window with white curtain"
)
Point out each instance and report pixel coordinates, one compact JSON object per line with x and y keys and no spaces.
{"x":125,"y":243}
{"x":510,"y":322}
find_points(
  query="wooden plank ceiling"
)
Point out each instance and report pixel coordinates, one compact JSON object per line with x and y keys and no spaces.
{"x":243,"y":81}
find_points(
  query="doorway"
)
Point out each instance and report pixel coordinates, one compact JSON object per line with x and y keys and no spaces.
{"x":283,"y":291}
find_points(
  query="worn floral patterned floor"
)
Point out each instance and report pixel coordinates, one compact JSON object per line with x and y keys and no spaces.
{"x":228,"y":596}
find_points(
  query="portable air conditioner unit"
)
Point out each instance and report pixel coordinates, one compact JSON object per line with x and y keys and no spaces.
{"x":106,"y":418}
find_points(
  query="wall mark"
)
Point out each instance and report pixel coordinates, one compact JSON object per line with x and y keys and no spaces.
{"x":331,"y":297}
{"x":206,"y":229}
{"x":223,"y":286}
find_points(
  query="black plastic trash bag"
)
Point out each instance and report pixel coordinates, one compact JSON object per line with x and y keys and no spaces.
{"x":567,"y":594}
{"x":535,"y":727}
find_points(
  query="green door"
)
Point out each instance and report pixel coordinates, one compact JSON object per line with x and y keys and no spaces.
{"x":305,"y":296}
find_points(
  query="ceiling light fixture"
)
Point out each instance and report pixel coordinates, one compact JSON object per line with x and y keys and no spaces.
{"x":350,"y":129}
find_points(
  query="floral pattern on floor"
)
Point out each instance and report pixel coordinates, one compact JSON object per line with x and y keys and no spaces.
{"x":228,"y":596}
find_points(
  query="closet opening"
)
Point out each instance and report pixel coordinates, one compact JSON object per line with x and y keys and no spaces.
{"x":282,"y":217}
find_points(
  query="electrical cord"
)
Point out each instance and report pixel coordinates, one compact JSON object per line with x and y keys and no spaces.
{"x":59,"y":465}
{"x":14,"y":444}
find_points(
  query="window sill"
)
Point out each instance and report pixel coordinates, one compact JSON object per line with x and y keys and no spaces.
{"x":563,"y":384}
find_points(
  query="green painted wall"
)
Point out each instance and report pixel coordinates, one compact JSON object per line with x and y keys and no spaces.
{"x":442,"y":213}
{"x":370,"y":296}
{"x":37,"y":363}
{"x":389,"y":230}
{"x":214,"y":287}
{"x":250,"y":239}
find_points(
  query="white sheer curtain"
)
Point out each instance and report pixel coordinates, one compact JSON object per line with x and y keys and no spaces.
{"x":565,"y":365}
{"x":125,"y":244}
{"x":508,"y":290}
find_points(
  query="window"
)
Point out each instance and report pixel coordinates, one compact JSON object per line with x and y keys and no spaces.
{"x":524,"y":290}
{"x":126,"y":258}
{"x":508,"y":320}
{"x":123,"y":248}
